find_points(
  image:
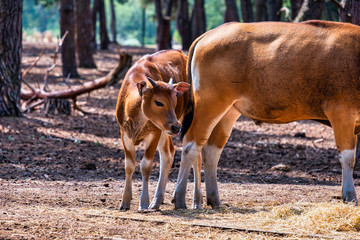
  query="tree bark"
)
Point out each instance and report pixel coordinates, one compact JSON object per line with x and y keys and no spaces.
{"x":10,"y":57}
{"x":83,"y":34}
{"x":94,"y":12}
{"x":104,"y":39}
{"x":231,"y":13}
{"x":183,"y":24}
{"x":295,"y":7}
{"x":68,"y":48}
{"x":162,"y":29}
{"x":355,"y":7}
{"x":273,"y":9}
{"x":260,"y":10}
{"x":247,"y":11}
{"x":198,"y":19}
{"x":113,"y":21}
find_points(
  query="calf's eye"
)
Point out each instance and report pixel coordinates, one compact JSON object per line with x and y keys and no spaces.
{"x":159,"y":104}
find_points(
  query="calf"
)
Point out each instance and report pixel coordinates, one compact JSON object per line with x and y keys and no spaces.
{"x":271,"y":72}
{"x":148,"y":108}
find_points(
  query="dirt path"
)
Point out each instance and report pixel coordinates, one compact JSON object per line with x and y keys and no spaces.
{"x":61,"y":177}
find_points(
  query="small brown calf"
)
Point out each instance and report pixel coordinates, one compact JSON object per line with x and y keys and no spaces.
{"x":148,"y":109}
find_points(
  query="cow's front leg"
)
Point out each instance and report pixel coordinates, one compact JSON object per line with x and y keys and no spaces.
{"x":151,"y":142}
{"x":129,"y":149}
{"x":167,"y":152}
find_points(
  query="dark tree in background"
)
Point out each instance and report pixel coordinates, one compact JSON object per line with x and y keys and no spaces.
{"x":198,"y":19}
{"x":247,"y":11}
{"x":10,"y":56}
{"x":231,"y":13}
{"x":183,"y":24}
{"x":68,"y":48}
{"x":83,"y":34}
{"x":295,"y":7}
{"x":94,"y":11}
{"x":273,"y":9}
{"x":113,"y":21}
{"x":260,"y":13}
{"x":163,"y":27}
{"x":99,"y":10}
{"x":104,"y":39}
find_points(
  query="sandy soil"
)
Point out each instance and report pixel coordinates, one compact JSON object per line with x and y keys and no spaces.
{"x":61,"y":177}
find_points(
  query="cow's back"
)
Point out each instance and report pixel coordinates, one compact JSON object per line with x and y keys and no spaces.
{"x":285,"y":71}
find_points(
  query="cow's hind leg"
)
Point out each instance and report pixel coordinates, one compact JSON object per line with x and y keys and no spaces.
{"x":204,"y":121}
{"x":211,"y":154}
{"x":343,"y":123}
{"x":129,"y":149}
{"x":167,"y":152}
{"x":151,"y":142}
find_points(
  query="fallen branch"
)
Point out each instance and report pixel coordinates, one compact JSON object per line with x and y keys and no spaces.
{"x":84,"y":88}
{"x":112,"y":77}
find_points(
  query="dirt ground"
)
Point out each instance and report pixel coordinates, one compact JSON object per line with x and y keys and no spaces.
{"x":61,"y":177}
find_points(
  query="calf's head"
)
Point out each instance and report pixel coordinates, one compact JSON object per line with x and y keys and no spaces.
{"x":159,"y":101}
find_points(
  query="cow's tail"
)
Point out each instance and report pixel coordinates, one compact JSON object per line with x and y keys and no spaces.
{"x":189,"y":110}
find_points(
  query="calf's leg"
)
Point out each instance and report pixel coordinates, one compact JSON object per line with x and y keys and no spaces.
{"x":129,"y":149}
{"x":167,"y":152}
{"x":151,"y":142}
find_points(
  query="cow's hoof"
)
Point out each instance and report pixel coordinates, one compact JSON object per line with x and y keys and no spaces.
{"x":124,"y":207}
{"x":179,"y":204}
{"x":215,"y":203}
{"x":155,"y":204}
{"x":350,"y":197}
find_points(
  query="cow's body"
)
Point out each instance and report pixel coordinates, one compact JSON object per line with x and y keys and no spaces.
{"x":150,"y":112}
{"x":274,"y":73}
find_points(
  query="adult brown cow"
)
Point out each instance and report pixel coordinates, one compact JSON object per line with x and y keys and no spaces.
{"x":274,"y":73}
{"x":148,"y":109}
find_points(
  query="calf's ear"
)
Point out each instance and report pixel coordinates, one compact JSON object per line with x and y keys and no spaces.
{"x":141,"y":87}
{"x":181,"y":87}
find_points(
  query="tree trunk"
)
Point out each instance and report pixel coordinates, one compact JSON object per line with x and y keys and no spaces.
{"x":231,"y":13}
{"x":198,"y":19}
{"x":247,"y":11}
{"x":68,"y":48}
{"x":183,"y":24}
{"x":162,"y":29}
{"x":104,"y":39}
{"x":295,"y":7}
{"x":143,"y":26}
{"x":273,"y":9}
{"x":10,"y":57}
{"x":94,"y":12}
{"x":113,"y":21}
{"x":260,"y":10}
{"x":355,"y":7}
{"x":83,"y":34}
{"x":315,"y":10}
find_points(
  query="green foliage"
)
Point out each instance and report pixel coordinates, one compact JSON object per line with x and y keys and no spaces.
{"x":36,"y":17}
